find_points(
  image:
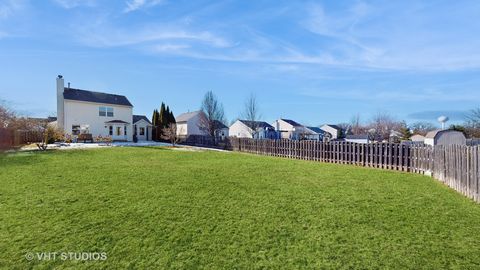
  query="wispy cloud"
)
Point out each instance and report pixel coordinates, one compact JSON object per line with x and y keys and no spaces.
{"x":399,"y":36}
{"x":9,"y":7}
{"x":433,"y":115}
{"x":111,"y":37}
{"x":68,"y":4}
{"x":419,"y":95}
{"x":133,"y":5}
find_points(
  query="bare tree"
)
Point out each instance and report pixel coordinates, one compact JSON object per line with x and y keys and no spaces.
{"x":472,"y":124}
{"x":356,"y":127}
{"x":383,"y":124}
{"x":212,"y":111}
{"x":7,"y":116}
{"x":170,"y":133}
{"x":251,"y":113}
{"x":422,"y":128}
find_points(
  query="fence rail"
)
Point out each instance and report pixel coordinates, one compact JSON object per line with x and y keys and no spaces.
{"x":457,"y":166}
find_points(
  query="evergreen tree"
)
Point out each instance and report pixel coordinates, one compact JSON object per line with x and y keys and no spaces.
{"x":154,"y":124}
{"x":161,"y":118}
{"x":172,"y":118}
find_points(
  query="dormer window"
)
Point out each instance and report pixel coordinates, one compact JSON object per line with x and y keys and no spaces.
{"x":105,"y":111}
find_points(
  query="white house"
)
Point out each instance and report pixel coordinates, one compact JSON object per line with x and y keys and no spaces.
{"x":334,"y":131}
{"x":445,"y":137}
{"x":190,"y":124}
{"x":244,"y":129}
{"x":99,"y":114}
{"x":142,"y":127}
{"x":289,"y":129}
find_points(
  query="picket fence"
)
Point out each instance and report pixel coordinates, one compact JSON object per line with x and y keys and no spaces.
{"x":458,"y":166}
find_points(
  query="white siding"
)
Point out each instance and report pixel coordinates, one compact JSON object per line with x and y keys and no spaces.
{"x":86,"y":113}
{"x":240,"y":130}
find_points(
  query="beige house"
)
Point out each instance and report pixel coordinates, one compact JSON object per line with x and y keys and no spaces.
{"x":190,"y":124}
{"x":96,"y":113}
{"x":289,"y":129}
{"x":417,"y":138}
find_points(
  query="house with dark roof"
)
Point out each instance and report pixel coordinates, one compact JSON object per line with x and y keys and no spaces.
{"x":333,"y":132}
{"x":252,"y":129}
{"x":142,"y":128}
{"x":289,"y":129}
{"x":97,"y":113}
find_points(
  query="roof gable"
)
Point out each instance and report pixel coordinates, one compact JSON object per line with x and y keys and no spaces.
{"x":96,"y":97}
{"x":137,"y":118}
{"x":184,"y":117}
{"x":291,"y":122}
{"x":258,"y":124}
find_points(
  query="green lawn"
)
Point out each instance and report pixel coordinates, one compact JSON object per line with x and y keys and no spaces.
{"x":156,"y":208}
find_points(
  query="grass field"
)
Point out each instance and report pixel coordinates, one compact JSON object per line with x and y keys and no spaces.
{"x":156,"y":208}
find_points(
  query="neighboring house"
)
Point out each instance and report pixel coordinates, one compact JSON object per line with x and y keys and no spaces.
{"x":334,"y":131}
{"x":100,"y":114}
{"x":243,"y":129}
{"x":445,"y":137}
{"x":190,"y":124}
{"x":365,"y":138}
{"x":314,"y":133}
{"x":417,"y":138}
{"x":395,"y":136}
{"x":142,"y":127}
{"x":289,"y":129}
{"x":221,"y":130}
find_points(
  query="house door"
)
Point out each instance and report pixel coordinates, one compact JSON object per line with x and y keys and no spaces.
{"x":118,"y":132}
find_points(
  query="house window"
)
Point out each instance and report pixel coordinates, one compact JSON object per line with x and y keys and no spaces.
{"x":125,"y":131}
{"x":142,"y":131}
{"x":105,"y":111}
{"x":75,"y":129}
{"x":110,"y":130}
{"x":119,"y":131}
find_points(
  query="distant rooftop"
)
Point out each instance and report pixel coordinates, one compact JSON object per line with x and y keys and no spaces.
{"x":291,"y":122}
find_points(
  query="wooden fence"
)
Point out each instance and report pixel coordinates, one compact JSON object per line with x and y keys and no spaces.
{"x":457,"y":166}
{"x":7,"y":138}
{"x":11,"y":139}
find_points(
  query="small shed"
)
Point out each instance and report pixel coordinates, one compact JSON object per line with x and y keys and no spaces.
{"x":445,"y":137}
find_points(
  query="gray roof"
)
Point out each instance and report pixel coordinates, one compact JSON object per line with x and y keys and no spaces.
{"x":291,"y":122}
{"x":219,"y":125}
{"x":432,"y":134}
{"x":184,"y":117}
{"x":259,"y":124}
{"x":317,"y":130}
{"x":97,"y":97}
{"x":357,"y":137}
{"x":137,"y":118}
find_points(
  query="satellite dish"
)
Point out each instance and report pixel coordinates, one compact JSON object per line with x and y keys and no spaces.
{"x":442,"y":119}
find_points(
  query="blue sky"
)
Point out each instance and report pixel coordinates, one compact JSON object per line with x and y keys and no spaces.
{"x":311,"y":61}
